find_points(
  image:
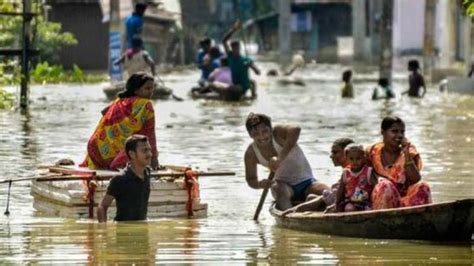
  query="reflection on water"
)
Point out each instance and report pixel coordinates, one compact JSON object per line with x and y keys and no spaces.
{"x":212,"y":135}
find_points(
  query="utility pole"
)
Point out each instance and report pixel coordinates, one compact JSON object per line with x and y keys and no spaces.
{"x":386,"y":54}
{"x":284,"y":31}
{"x":374,"y":29}
{"x":428,"y":41}
{"x":25,"y":60}
{"x":359,"y":29}
{"x":468,"y":42}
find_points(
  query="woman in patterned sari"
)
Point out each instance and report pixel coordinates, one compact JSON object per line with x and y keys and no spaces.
{"x":131,"y":113}
{"x":398,"y":163}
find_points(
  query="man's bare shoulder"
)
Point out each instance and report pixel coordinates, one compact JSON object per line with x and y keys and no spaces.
{"x":250,"y":153}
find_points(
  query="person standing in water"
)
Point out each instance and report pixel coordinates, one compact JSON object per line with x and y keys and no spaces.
{"x":347,"y":89}
{"x":415,"y":80}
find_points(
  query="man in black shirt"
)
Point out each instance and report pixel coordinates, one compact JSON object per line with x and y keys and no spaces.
{"x":131,"y":189}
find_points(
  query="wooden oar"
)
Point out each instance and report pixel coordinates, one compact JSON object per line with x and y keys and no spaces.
{"x":262,"y":198}
{"x":174,"y":96}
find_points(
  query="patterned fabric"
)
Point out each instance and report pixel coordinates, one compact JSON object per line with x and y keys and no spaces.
{"x":393,"y":191}
{"x":357,"y":186}
{"x":386,"y":195}
{"x":123,"y":118}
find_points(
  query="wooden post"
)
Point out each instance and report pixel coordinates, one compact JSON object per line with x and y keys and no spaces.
{"x":386,"y":54}
{"x":284,"y":31}
{"x":358,"y":30}
{"x":428,"y":40}
{"x":26,"y":35}
{"x":468,"y":42}
{"x":115,"y":41}
{"x":374,"y":29}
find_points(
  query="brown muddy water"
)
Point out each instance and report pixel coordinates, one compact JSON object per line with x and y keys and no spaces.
{"x":211,"y":135}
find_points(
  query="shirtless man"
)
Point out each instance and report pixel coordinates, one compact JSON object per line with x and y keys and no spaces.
{"x":277,"y":148}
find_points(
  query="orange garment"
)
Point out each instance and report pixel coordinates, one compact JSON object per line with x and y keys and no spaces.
{"x":393,"y":190}
{"x":124,"y":117}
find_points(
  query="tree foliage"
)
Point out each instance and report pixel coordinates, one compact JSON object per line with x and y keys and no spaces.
{"x":469,"y":6}
{"x":48,"y":36}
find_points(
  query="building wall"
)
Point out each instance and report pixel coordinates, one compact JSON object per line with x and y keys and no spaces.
{"x":408,"y":26}
{"x":84,"y":20}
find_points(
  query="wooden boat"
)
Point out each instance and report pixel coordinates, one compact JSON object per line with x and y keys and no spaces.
{"x":194,"y":94}
{"x":440,"y":221}
{"x":291,"y":81}
{"x":460,"y":85}
{"x":160,"y":92}
{"x":68,"y":198}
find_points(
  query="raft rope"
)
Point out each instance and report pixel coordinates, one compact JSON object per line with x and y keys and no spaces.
{"x":192,"y":185}
{"x":7,"y":211}
{"x":90,"y":185}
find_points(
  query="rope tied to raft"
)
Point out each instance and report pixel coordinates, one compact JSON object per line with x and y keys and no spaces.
{"x":192,"y":185}
{"x":90,"y":185}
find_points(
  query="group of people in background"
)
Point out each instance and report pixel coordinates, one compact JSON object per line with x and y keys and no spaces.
{"x":226,"y":74}
{"x":416,"y":84}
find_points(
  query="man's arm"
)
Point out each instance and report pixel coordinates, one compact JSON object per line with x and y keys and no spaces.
{"x":103,"y":206}
{"x":254,"y":68}
{"x":234,"y":28}
{"x":340,"y":196}
{"x":251,"y":177}
{"x":423,"y":85}
{"x":120,"y":60}
{"x":287,"y":136}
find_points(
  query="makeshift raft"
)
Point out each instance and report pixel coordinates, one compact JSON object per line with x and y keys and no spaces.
{"x":73,"y":192}
{"x":160,"y":91}
{"x":438,"y":221}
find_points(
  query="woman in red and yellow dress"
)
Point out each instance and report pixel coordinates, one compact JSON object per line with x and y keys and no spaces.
{"x":398,"y":164}
{"x":131,"y":113}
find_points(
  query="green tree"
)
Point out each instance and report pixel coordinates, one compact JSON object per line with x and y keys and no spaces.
{"x":469,"y":6}
{"x":49,"y":37}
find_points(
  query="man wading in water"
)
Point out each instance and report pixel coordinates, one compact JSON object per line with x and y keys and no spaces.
{"x":131,"y":189}
{"x":277,"y":149}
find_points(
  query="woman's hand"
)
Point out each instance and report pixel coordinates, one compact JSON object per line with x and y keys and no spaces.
{"x":405,"y":145}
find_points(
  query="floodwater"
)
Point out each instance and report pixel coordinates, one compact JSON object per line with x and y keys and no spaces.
{"x":211,"y":135}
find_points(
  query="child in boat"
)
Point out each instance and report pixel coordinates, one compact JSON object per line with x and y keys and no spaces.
{"x":383,"y":90}
{"x":347,"y":90}
{"x":415,"y":80}
{"x":357,"y":182}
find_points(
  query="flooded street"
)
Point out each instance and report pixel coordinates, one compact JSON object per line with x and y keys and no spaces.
{"x":211,"y":135}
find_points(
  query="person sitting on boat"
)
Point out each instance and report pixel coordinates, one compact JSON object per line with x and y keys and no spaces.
{"x":136,"y":60}
{"x":220,"y":81}
{"x":134,"y":23}
{"x":202,"y":52}
{"x":356,"y":183}
{"x":328,"y":198}
{"x":130,"y":189}
{"x":131,"y":113}
{"x":277,"y":149}
{"x":383,"y":90}
{"x":239,"y":64}
{"x":398,"y":162}
{"x":415,"y":80}
{"x":347,"y":89}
